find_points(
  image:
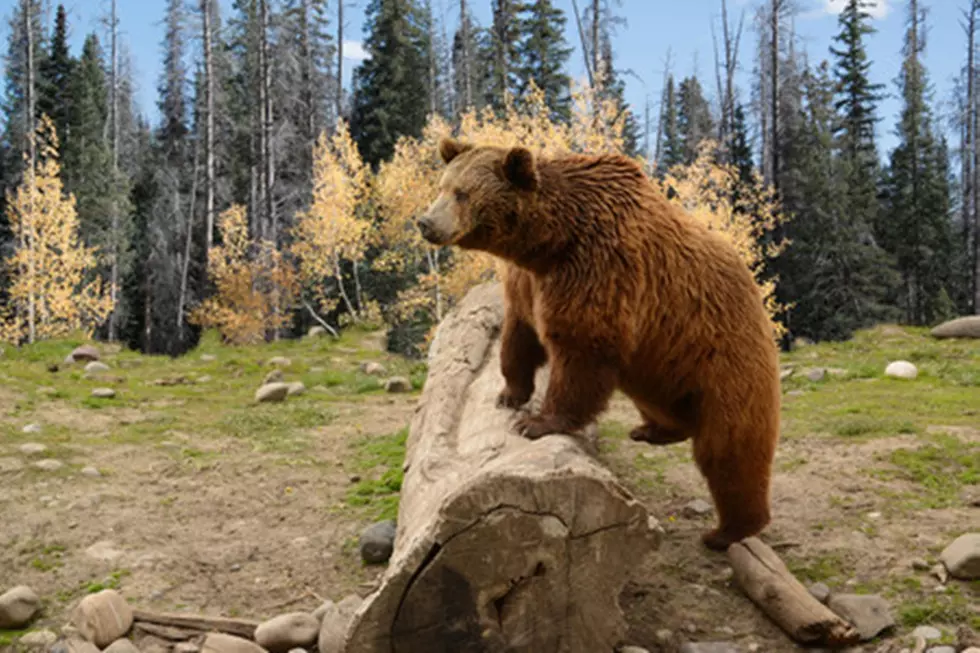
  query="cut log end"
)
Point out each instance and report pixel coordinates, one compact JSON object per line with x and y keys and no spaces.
{"x":504,"y":544}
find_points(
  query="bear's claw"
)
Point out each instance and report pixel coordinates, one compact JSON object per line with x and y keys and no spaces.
{"x":533,"y":427}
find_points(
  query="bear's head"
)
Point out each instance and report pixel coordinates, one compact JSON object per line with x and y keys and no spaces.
{"x":482,"y":194}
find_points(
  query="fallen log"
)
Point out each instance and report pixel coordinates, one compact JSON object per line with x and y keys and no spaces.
{"x":503,"y":544}
{"x":767,"y":581}
{"x":160,"y":622}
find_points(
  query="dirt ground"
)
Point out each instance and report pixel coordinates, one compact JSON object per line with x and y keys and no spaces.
{"x":187,"y":516}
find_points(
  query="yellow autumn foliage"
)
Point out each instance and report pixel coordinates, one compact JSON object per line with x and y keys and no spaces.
{"x":331,"y":232}
{"x":54,"y":290}
{"x":254,"y":285}
{"x":706,"y":190}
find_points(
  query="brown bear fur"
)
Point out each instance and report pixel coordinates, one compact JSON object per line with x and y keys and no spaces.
{"x":616,"y":287}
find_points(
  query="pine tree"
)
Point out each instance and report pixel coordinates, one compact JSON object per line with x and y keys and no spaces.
{"x":856,"y":99}
{"x":918,"y":231}
{"x":694,"y":118}
{"x":613,"y":88}
{"x":542,"y":56}
{"x":672,"y":148}
{"x":391,"y":96}
{"x":505,"y":42}
{"x":25,"y":54}
{"x":88,"y":158}
{"x":55,"y":74}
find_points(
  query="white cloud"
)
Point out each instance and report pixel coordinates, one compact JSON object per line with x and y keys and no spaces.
{"x":877,"y":8}
{"x":355,"y":51}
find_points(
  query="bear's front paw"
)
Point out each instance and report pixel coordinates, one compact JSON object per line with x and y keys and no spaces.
{"x":533,"y":427}
{"x":508,"y":399}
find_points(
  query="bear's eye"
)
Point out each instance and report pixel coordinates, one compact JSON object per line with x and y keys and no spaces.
{"x":461,"y":195}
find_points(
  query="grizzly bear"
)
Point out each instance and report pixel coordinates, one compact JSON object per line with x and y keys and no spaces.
{"x":615,"y":288}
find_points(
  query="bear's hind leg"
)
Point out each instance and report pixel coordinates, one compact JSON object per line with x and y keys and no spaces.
{"x":737,"y":465}
{"x":659,"y":427}
{"x":521,"y":354}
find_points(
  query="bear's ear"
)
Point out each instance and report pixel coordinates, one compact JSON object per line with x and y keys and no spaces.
{"x":520,"y":170}
{"x":450,"y":148}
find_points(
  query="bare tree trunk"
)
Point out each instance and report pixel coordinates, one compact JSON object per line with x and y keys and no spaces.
{"x":464,"y":22}
{"x":209,"y":180}
{"x":596,"y":50}
{"x":433,"y":82}
{"x":971,"y":158}
{"x":663,"y":109}
{"x":114,"y":116}
{"x":774,"y":89}
{"x":585,"y":49}
{"x":31,"y":157}
{"x":340,"y":58}
{"x":188,"y":240}
{"x":268,"y":155}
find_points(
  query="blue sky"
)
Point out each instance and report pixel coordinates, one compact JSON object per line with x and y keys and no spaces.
{"x":653,"y":26}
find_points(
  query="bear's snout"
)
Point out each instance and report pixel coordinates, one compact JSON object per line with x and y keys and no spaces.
{"x":427,"y":229}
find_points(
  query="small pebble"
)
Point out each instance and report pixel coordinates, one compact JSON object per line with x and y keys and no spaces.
{"x":91,"y":472}
{"x":31,"y":428}
{"x":31,"y":448}
{"x":819,"y":591}
{"x":919,"y":564}
{"x":49,"y":465}
{"x":927,"y":633}
{"x":103,"y":393}
{"x":39,"y":639}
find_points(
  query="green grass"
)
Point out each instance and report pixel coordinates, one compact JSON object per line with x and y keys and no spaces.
{"x":938,"y":469}
{"x":820,"y":568}
{"x":379,"y":461}
{"x":863,"y":403}
{"x":950,"y":608}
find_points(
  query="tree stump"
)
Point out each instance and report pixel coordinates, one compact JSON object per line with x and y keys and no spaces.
{"x":503,"y":544}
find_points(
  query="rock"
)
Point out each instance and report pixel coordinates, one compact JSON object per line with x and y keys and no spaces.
{"x":74,"y":645}
{"x":275,"y":376}
{"x":208,"y":358}
{"x":962,"y":557}
{"x":939,"y":572}
{"x":49,"y":465}
{"x":272,"y":392}
{"x":336,"y":619}
{"x":104,"y":551}
{"x":103,"y":393}
{"x":633,"y":649}
{"x":221,"y":643}
{"x":325,"y":607}
{"x":31,"y":448}
{"x":816,"y":374}
{"x":373,"y":368}
{"x":919,"y":564}
{"x":869,"y":613}
{"x":122,"y":645}
{"x":204,"y":379}
{"x":18,"y":606}
{"x":91,"y":472}
{"x":927,"y":633}
{"x":398,"y":384}
{"x":39,"y":639}
{"x":316,"y":331}
{"x":377,"y":542}
{"x":709,"y":647}
{"x":288,"y":631}
{"x":972,"y":649}
{"x":103,"y":617}
{"x":186,"y":647}
{"x":819,"y":591}
{"x":279,"y":361}
{"x":901,"y":370}
{"x":941,"y":649}
{"x":697,"y":508}
{"x":801,"y":342}
{"x":95,"y":367}
{"x":967,"y":638}
{"x":84,"y":353}
{"x":961,"y":327}
{"x":786,"y":372}
{"x":296,"y":388}
{"x":31,"y":428}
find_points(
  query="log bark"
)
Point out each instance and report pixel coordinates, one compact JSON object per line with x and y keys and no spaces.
{"x":772,"y":587}
{"x":238,"y":627}
{"x":503,"y":544}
